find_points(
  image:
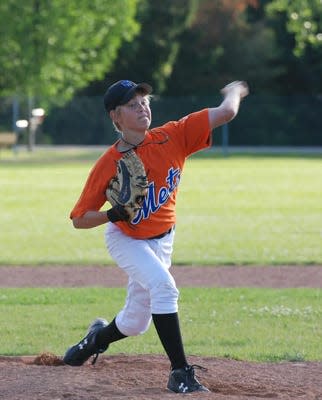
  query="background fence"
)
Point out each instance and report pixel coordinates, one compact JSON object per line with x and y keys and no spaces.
{"x":263,"y":120}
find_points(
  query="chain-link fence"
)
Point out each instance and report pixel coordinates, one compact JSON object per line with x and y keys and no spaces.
{"x":262,"y":120}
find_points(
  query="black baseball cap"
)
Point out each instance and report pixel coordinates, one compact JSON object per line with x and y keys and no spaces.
{"x":123,"y":91}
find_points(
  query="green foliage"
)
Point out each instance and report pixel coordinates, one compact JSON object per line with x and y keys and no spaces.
{"x":52,"y":48}
{"x":196,"y":47}
{"x":151,"y":56}
{"x":256,"y":210}
{"x":304,"y":20}
{"x":300,"y":59}
{"x":248,"y":324}
{"x":219,"y":36}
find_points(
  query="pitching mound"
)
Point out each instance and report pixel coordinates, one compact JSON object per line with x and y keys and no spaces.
{"x":145,"y":377}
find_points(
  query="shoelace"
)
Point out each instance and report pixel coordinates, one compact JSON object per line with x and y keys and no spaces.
{"x":191,"y":369}
{"x":193,"y":366}
{"x":95,"y":357}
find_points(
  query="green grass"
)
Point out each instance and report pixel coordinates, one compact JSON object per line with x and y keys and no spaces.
{"x":247,"y":324}
{"x":238,"y":210}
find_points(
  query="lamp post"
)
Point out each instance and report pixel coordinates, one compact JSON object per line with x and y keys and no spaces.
{"x":21,"y":126}
{"x":36,"y":119}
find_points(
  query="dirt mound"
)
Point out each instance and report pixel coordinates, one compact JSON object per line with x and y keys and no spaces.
{"x":48,"y":359}
{"x":145,"y":377}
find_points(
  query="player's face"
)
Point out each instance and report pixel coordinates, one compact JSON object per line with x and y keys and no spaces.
{"x":136,"y":114}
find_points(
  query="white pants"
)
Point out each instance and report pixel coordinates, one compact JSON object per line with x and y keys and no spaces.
{"x":151,"y":287}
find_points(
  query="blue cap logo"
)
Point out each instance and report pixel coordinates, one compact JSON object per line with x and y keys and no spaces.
{"x":126,"y":83}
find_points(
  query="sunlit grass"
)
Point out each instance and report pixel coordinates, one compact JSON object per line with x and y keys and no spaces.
{"x":236,"y":210}
{"x":247,"y":324}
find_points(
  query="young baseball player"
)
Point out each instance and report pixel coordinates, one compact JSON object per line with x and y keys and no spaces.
{"x":142,"y":247}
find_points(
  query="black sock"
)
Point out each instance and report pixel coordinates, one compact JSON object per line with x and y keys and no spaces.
{"x":108,"y":335}
{"x":168,"y":328}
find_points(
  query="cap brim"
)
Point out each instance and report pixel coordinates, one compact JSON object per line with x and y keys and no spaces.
{"x":144,"y":88}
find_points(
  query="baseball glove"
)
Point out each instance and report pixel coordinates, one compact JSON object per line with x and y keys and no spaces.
{"x":130,"y":185}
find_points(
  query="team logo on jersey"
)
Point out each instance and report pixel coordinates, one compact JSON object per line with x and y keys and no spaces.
{"x":153,"y":201}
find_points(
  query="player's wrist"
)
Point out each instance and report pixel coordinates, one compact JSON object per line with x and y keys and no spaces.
{"x":117,"y":213}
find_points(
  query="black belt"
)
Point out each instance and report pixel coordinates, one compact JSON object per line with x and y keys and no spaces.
{"x":162,"y":234}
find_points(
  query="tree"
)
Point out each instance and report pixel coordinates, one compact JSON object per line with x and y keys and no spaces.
{"x":152,"y":54}
{"x":304,"y":20}
{"x":51,"y":48}
{"x":300,"y":50}
{"x":224,"y":46}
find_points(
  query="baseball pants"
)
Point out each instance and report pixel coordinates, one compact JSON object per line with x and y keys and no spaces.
{"x":151,"y":288}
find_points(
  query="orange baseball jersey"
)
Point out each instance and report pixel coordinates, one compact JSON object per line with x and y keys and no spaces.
{"x":163,"y":153}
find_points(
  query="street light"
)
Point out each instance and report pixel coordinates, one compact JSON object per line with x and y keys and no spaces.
{"x":38,"y":112}
{"x":22,"y":124}
{"x":36,"y":119}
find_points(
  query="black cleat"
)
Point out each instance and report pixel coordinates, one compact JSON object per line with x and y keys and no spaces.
{"x":183,"y":380}
{"x":82,"y":351}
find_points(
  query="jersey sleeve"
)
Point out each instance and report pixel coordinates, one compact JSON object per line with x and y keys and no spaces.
{"x":192,"y":132}
{"x":93,"y":195}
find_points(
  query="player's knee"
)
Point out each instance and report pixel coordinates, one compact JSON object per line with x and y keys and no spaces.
{"x":137,"y":326}
{"x":141,"y":327}
{"x":134,"y":320}
{"x":164,"y":298}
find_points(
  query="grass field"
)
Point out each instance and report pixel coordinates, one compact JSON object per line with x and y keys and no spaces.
{"x":253,"y":324}
{"x":260,"y":210}
{"x":235,"y":210}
